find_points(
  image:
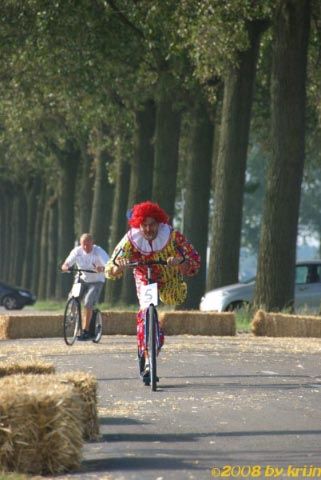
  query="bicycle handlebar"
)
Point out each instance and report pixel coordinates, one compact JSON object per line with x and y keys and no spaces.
{"x":150,"y":263}
{"x":144,"y":264}
{"x":72,"y":269}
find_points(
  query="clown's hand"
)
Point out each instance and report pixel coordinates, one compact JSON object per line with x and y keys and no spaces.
{"x":177,"y":262}
{"x":121,"y":265}
{"x":174,"y":261}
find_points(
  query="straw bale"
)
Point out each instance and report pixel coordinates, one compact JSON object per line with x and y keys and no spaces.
{"x":33,"y":366}
{"x":272,"y":324}
{"x":87,"y":386}
{"x":119,"y":322}
{"x":259,"y":323}
{"x":41,"y":425}
{"x":198,"y":323}
{"x":30,"y":326}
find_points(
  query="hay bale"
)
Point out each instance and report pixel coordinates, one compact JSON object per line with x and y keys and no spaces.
{"x":30,"y":326}
{"x":198,"y":323}
{"x":272,"y":324}
{"x":41,"y":425}
{"x":119,"y":322}
{"x":87,"y":386}
{"x":33,"y":366}
{"x":258,"y":326}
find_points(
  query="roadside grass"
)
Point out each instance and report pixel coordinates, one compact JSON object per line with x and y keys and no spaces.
{"x":243,"y":319}
{"x":47,"y":305}
{"x":59,"y":306}
{"x":14,"y":476}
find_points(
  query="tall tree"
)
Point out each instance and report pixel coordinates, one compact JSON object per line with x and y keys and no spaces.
{"x":275,"y":279}
{"x":197,"y":194}
{"x":102,"y":199}
{"x":84,"y":193}
{"x":33,"y":195}
{"x":52,"y":247}
{"x":118,"y":225}
{"x":142,"y":164}
{"x":141,"y":177}
{"x":167,"y":134}
{"x":231,"y":163}
{"x":68,"y":160}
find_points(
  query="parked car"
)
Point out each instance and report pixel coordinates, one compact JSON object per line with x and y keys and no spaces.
{"x":15,"y":298}
{"x":307,"y":296}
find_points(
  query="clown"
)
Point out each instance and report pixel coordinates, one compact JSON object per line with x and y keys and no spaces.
{"x":151,"y":238}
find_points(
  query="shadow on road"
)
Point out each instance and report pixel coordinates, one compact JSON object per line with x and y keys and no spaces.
{"x":138,"y":463}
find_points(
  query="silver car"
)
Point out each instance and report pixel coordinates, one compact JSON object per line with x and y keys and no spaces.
{"x":307,"y":291}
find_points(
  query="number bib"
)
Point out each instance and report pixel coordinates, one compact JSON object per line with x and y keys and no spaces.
{"x":148,"y":295}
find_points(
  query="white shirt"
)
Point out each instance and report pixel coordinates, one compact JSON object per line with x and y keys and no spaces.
{"x":88,"y":261}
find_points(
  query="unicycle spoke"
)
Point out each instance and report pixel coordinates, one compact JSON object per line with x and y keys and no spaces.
{"x":71,"y":321}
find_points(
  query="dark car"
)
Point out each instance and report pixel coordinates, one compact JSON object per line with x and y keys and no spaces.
{"x":15,"y":298}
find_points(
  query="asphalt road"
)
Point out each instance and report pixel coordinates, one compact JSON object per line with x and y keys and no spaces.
{"x":251,"y":403}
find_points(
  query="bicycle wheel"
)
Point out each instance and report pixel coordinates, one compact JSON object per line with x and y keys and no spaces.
{"x":152,"y":325}
{"x":71,"y":320}
{"x":98,"y":327}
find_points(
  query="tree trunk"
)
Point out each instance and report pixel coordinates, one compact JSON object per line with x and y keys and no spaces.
{"x":166,"y":148}
{"x":68,"y":162}
{"x":43,"y":253}
{"x":14,"y":239}
{"x":8,"y":237}
{"x":197,"y":194}
{"x":17,"y":235}
{"x":52,"y":248}
{"x":2,"y":223}
{"x":141,"y":174}
{"x":277,"y":251}
{"x":32,"y":194}
{"x":231,"y":165}
{"x":36,"y":246}
{"x":141,"y":178}
{"x":102,"y":202}
{"x":216,"y":138}
{"x":84,"y":194}
{"x":20,"y":233}
{"x":118,"y":224}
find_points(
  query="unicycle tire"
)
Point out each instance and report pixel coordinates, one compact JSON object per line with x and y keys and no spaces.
{"x":152,"y":350}
{"x":71,"y":321}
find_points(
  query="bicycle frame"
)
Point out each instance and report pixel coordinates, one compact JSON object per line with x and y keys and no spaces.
{"x":75,"y":296}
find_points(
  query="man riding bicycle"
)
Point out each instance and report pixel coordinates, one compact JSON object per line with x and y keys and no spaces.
{"x":151,"y":238}
{"x":88,"y":256}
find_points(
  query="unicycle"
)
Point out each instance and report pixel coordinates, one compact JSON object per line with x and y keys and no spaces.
{"x":152,"y":341}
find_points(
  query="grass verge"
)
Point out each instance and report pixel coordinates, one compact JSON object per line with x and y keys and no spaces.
{"x":243,"y":318}
{"x":14,"y":476}
{"x":59,"y":306}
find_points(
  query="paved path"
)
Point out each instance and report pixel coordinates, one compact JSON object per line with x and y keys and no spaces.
{"x":221,"y":401}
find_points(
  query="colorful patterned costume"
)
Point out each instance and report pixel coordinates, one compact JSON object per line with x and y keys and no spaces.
{"x":172,"y":288}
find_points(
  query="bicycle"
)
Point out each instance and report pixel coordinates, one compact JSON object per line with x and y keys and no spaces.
{"x":149,"y":300}
{"x":72,"y":315}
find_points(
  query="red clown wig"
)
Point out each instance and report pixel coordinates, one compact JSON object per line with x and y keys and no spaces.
{"x":140,"y":211}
